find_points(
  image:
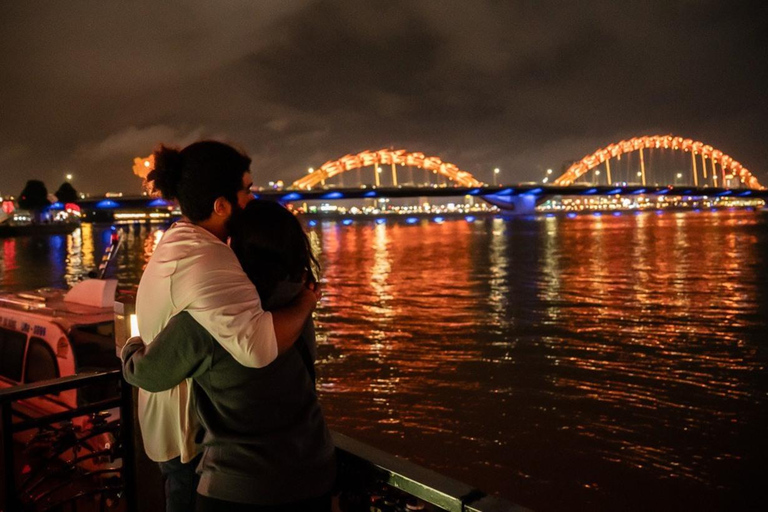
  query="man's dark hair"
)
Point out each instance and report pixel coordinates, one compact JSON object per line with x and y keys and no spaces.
{"x":198,"y":175}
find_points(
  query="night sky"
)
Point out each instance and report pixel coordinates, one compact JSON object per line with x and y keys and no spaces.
{"x":86,"y":86}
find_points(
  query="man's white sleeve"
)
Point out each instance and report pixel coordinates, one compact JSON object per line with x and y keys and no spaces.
{"x":214,"y":289}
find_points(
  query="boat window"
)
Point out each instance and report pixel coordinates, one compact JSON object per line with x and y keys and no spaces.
{"x":106,"y":329}
{"x":41,"y":362}
{"x":12,"y":345}
{"x":93,"y":351}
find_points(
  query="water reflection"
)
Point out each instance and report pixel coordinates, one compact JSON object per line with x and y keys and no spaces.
{"x":617,"y":345}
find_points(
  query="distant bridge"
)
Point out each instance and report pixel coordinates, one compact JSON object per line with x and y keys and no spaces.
{"x":729,"y":167}
{"x":313,"y":186}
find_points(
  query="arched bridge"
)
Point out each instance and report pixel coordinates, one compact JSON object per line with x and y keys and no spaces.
{"x":728,"y":165}
{"x":391,"y":157}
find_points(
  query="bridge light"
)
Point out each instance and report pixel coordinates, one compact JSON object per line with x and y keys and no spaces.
{"x":549,"y":171}
{"x":69,"y":177}
{"x":545,"y":180}
{"x":679,"y":175}
{"x":310,"y":170}
{"x":639,"y":174}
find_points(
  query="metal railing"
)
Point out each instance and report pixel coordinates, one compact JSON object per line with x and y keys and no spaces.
{"x":62,"y":468}
{"x":362,"y":466}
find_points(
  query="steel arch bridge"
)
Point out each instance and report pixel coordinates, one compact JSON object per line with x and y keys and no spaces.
{"x":603,"y":155}
{"x":392,"y":157}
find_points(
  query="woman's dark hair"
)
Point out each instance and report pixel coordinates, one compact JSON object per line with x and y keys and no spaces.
{"x":198,"y":175}
{"x":272,"y":246}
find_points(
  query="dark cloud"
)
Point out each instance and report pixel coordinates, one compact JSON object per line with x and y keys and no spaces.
{"x":519,"y":85}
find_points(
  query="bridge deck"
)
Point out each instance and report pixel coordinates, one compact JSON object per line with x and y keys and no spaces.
{"x":541,"y":191}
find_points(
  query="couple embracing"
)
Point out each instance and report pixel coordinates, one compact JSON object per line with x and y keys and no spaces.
{"x":225,"y":362}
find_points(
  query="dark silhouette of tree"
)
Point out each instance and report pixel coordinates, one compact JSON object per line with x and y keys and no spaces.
{"x":34,"y":197}
{"x":66,"y":193}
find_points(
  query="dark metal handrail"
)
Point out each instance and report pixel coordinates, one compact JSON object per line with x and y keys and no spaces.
{"x":39,"y":389}
{"x":425,"y":484}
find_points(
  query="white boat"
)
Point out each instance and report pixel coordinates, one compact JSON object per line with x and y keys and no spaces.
{"x":51,"y":333}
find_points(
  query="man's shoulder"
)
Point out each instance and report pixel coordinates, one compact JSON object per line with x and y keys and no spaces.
{"x":186,"y":241}
{"x":184,"y":246}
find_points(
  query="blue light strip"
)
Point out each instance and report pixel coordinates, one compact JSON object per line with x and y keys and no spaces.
{"x":107,"y":203}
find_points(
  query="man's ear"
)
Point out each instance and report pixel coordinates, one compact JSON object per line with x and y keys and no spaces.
{"x":222,"y":207}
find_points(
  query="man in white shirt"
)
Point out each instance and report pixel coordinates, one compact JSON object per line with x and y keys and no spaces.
{"x":192,"y":269}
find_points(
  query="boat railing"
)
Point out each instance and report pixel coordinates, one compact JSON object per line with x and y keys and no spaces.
{"x":364,"y":471}
{"x":59,"y":464}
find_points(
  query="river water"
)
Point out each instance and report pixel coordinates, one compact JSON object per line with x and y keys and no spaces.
{"x":593,"y":363}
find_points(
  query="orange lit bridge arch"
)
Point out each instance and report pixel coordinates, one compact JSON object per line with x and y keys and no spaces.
{"x":392,"y":157}
{"x":716,"y":157}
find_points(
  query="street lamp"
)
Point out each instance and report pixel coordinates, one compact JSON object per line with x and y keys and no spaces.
{"x":310,"y":170}
{"x":496,"y":172}
{"x":69,"y":177}
{"x":549,"y":171}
